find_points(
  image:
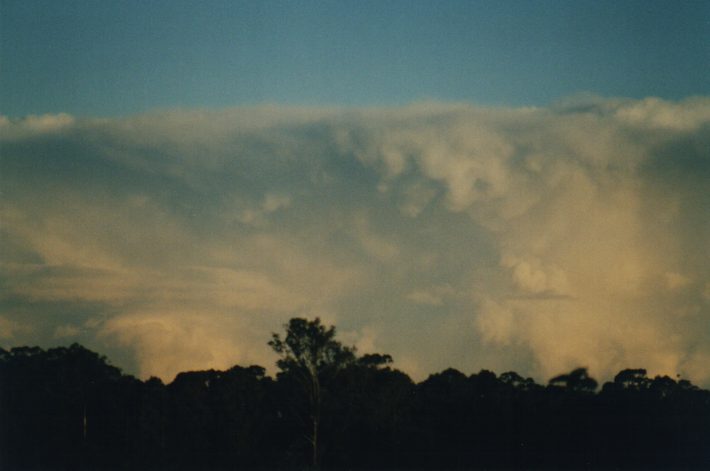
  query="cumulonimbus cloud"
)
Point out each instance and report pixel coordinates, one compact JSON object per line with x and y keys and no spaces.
{"x":533,"y":239}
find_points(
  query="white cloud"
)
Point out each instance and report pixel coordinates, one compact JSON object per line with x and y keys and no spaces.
{"x":581,"y":231}
{"x":531,"y":277}
{"x":655,"y":113}
{"x":33,"y":125}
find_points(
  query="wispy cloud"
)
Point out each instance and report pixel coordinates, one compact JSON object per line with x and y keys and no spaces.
{"x":535,"y":239}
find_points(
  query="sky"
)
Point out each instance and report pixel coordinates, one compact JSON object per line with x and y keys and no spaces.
{"x":91,"y":58}
{"x":502,"y":185}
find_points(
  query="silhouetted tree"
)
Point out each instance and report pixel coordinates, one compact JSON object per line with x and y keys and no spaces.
{"x":577,"y":381}
{"x":632,"y":379}
{"x":310,"y":354}
{"x":368,"y":413}
{"x":516,"y":381}
{"x":67,"y":408}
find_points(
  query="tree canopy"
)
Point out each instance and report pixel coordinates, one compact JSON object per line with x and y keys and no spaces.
{"x":310,"y":348}
{"x":69,"y":408}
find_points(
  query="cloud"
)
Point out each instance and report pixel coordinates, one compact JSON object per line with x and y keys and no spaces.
{"x":34,"y":126}
{"x":166,"y":343}
{"x":531,"y":277}
{"x":433,"y":296}
{"x":10,"y":328}
{"x":67,"y":331}
{"x":532,"y":239}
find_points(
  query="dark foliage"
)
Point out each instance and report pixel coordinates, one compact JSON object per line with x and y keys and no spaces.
{"x":68,"y":409}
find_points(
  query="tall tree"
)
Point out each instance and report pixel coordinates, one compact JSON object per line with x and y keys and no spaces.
{"x":311,"y":355}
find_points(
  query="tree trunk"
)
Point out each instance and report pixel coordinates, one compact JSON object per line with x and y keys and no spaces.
{"x":315,"y":410}
{"x":315,"y":442}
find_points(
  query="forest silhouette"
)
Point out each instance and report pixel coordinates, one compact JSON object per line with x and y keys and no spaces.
{"x":68,"y":408}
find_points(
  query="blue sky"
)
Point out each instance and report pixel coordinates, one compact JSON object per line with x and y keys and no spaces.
{"x":115,"y":58}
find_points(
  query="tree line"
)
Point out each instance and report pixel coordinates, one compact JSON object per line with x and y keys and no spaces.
{"x":68,"y":408}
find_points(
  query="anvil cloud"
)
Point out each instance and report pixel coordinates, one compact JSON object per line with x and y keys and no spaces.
{"x":531,"y":239}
